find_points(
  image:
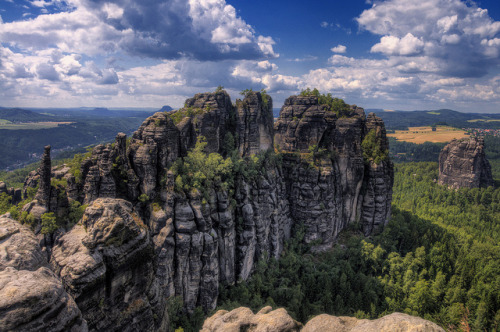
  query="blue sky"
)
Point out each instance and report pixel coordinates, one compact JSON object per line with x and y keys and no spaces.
{"x":392,"y":54}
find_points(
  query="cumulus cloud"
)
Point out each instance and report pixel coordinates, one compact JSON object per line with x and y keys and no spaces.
{"x":109,"y":76}
{"x":458,"y":38}
{"x":46,"y":71}
{"x":391,"y":45}
{"x":162,"y":29}
{"x":339,"y":49}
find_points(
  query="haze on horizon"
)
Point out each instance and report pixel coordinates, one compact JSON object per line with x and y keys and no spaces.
{"x":393,"y":54}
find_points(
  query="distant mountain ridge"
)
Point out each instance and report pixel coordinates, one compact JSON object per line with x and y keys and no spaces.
{"x":166,"y":108}
{"x":22,"y":115}
{"x":401,"y":120}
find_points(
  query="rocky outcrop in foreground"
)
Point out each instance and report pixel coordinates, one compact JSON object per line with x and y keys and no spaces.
{"x":268,"y":320}
{"x":32,"y":297}
{"x":463,"y":164}
{"x":147,"y":233}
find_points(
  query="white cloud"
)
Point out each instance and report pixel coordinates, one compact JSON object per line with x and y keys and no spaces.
{"x":391,"y":45}
{"x":199,"y":29}
{"x":454,"y":36}
{"x":340,"y":60}
{"x":304,"y":59}
{"x":339,"y":49}
{"x":446,"y":23}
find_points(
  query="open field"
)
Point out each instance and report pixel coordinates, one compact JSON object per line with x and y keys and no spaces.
{"x":4,"y":124}
{"x":484,"y":120}
{"x":421,"y":135}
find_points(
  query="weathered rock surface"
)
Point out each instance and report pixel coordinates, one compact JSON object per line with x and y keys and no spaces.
{"x":254,"y":123}
{"x":14,"y":193}
{"x":32,"y":298}
{"x":463,"y":164}
{"x":268,"y":320}
{"x":344,"y":187}
{"x":19,"y":248}
{"x":242,"y":319}
{"x":44,"y":187}
{"x":393,"y":322}
{"x":107,"y":266}
{"x":212,"y":120}
{"x":302,"y":123}
{"x":153,"y":146}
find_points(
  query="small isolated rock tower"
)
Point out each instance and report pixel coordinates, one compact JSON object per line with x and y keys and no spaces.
{"x":463,"y":164}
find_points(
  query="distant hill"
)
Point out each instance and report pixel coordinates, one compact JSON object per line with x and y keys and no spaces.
{"x":92,"y":113}
{"x":166,"y":108}
{"x":401,"y":120}
{"x":22,"y":115}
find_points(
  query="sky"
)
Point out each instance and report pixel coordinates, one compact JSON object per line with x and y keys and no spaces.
{"x":391,"y":54}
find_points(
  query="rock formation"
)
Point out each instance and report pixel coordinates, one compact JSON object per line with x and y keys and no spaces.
{"x":106,"y":264}
{"x":242,"y":319}
{"x":32,"y":298}
{"x":346,"y":187}
{"x":254,"y":123}
{"x":45,"y":170}
{"x":463,"y":164}
{"x":14,"y":193}
{"x":143,"y":239}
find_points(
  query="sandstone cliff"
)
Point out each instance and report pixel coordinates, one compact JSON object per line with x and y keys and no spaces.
{"x":463,"y":164}
{"x":146,"y":236}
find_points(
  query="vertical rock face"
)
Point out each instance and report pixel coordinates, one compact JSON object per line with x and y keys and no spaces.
{"x":343,"y":187}
{"x":376,"y":194}
{"x":153,"y":146}
{"x":45,"y":170}
{"x":143,"y":239}
{"x":302,"y":123}
{"x":254,"y":123}
{"x":263,"y":220}
{"x":463,"y":164}
{"x":14,"y":193}
{"x":209,"y":115}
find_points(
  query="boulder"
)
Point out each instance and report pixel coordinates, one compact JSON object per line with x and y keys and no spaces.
{"x":243,"y":319}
